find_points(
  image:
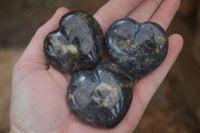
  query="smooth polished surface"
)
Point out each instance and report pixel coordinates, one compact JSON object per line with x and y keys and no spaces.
{"x":100,"y":97}
{"x":138,"y":48}
{"x":76,"y":45}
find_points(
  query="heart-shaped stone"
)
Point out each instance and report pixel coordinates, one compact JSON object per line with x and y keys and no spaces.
{"x":138,"y":48}
{"x":76,"y":45}
{"x":100,"y":97}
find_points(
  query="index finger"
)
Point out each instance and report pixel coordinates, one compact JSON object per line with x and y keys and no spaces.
{"x":114,"y":10}
{"x":166,"y":12}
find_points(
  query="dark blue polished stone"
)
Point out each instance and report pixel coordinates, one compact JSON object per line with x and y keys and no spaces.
{"x":76,"y":45}
{"x":138,"y":48}
{"x":101,"y":97}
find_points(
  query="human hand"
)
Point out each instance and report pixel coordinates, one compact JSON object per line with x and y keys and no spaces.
{"x":39,"y":91}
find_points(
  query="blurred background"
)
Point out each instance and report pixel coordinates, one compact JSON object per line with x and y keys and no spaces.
{"x":175,"y":108}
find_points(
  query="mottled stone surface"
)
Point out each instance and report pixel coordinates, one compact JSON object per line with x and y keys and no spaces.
{"x":138,"y":48}
{"x":77,"y":44}
{"x":100,"y":97}
{"x":21,"y":18}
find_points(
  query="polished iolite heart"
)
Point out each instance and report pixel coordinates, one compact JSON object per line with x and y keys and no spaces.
{"x":100,"y":97}
{"x":138,"y":47}
{"x":76,"y":45}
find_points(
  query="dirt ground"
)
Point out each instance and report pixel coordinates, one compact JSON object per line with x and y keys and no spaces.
{"x":174,"y":108}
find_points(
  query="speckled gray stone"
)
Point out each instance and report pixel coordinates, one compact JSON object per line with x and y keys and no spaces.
{"x":138,"y":48}
{"x":101,"y":97}
{"x":76,"y":45}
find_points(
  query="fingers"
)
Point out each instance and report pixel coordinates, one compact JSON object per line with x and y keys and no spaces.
{"x":33,"y":54}
{"x":114,"y":10}
{"x":144,"y":12}
{"x":165,"y":13}
{"x":159,"y":11}
{"x":145,"y":88}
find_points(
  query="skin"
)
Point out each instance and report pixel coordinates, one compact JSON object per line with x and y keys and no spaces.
{"x":39,"y":91}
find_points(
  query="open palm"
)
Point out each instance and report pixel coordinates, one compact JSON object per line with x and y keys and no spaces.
{"x":39,"y":91}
